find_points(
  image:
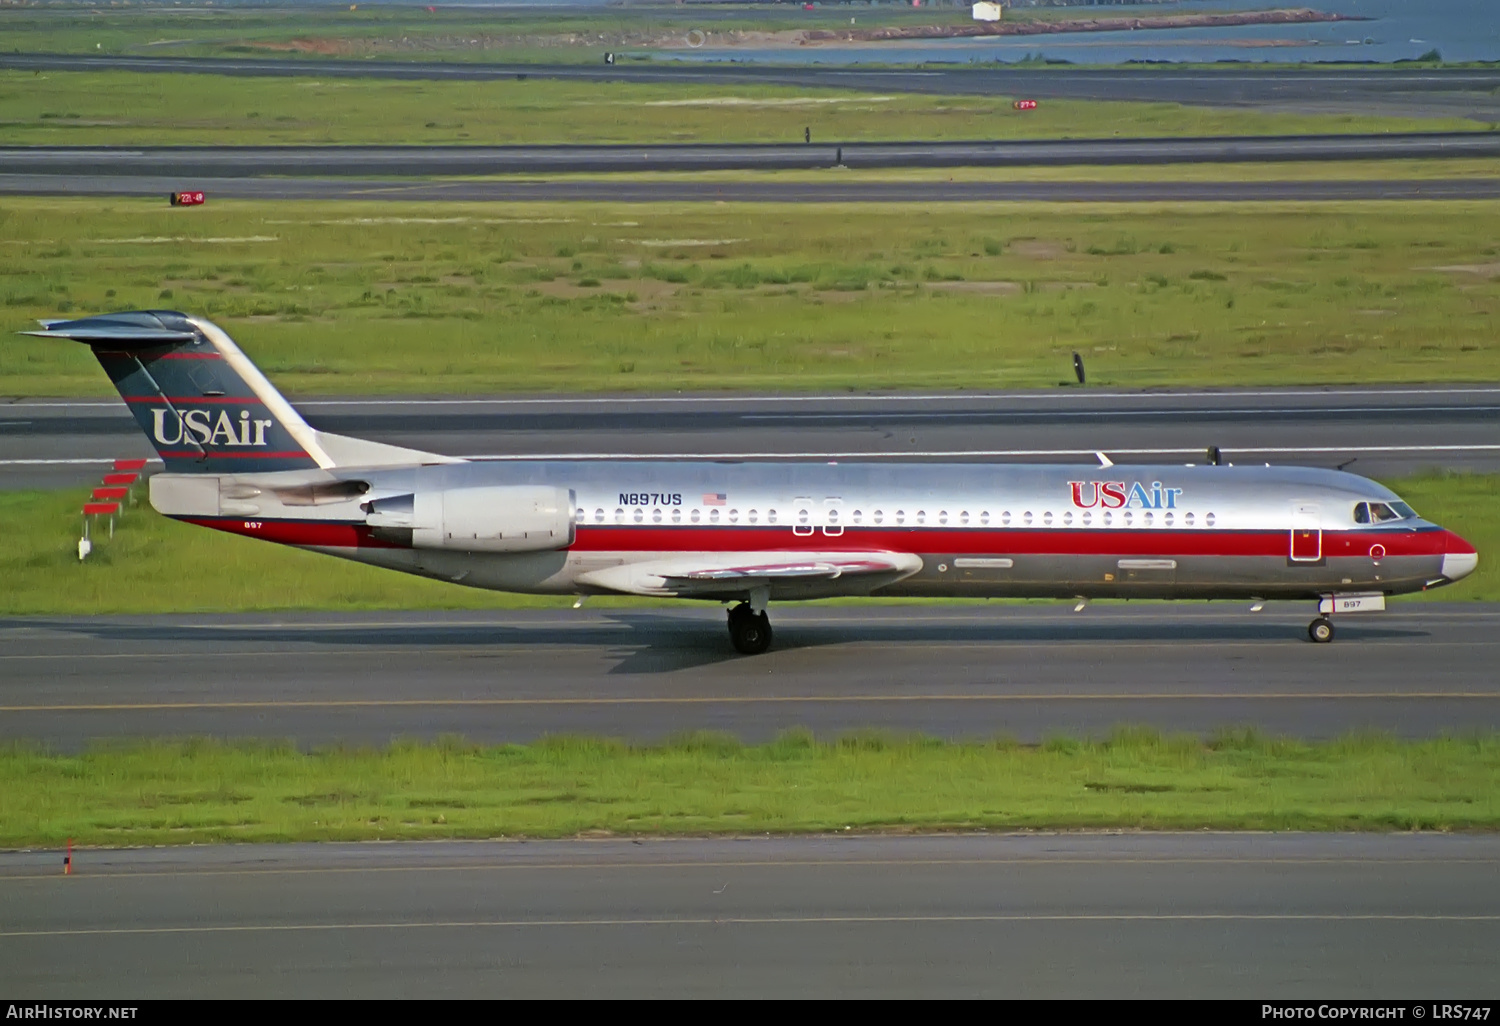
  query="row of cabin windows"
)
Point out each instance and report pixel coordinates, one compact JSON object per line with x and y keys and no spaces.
{"x":1087,"y":518}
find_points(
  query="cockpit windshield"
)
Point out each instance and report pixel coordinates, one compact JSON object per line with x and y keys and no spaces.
{"x":1382,"y":512}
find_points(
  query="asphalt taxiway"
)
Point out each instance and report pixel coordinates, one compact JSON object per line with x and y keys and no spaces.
{"x":976,"y":671}
{"x":669,"y":190}
{"x":416,"y":160}
{"x":1261,"y":917}
{"x":1374,"y":431}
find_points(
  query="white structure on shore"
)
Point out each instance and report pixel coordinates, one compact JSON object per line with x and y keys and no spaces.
{"x":986,"y":11}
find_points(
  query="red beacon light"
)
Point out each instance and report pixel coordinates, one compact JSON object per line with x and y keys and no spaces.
{"x":187,"y":199}
{"x":1025,"y":105}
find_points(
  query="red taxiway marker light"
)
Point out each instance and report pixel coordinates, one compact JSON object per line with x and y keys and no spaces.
{"x":121,"y":479}
{"x":130,"y":464}
{"x":101,"y":508}
{"x":110,"y":493}
{"x":187,"y":199}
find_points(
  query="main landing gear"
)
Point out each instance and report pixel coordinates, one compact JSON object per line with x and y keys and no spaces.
{"x":1321,"y":630}
{"x":749,"y":631}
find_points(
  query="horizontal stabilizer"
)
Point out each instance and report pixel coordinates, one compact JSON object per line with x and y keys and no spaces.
{"x":142,"y":329}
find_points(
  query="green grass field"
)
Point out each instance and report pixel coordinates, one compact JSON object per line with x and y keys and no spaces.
{"x":412,"y":32}
{"x":126,"y":108}
{"x":364,"y":297}
{"x":203,"y":791}
{"x":156,"y":565}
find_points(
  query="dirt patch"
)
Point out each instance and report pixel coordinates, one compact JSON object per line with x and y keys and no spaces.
{"x":994,"y":288}
{"x":326,"y":47}
{"x":1037,"y":249}
{"x":1488,"y":270}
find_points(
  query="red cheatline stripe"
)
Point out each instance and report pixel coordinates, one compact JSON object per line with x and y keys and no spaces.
{"x":997,"y":541}
{"x":193,"y":454}
{"x":185,"y":399}
{"x":1003,"y":541}
{"x":298,"y":532}
{"x":120,"y":354}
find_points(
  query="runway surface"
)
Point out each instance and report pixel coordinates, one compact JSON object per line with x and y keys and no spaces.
{"x":677,"y":191}
{"x":1384,"y":431}
{"x":240,"y":161}
{"x":1445,"y":91}
{"x":1259,"y":917}
{"x":974,"y":671}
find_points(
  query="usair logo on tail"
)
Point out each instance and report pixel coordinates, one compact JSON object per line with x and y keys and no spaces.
{"x":170,"y":428}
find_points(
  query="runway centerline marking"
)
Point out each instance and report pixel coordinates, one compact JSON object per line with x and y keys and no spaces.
{"x":500,"y":649}
{"x":913,"y":920}
{"x":402,"y":703}
{"x":1039,"y":861}
{"x":972,"y":397}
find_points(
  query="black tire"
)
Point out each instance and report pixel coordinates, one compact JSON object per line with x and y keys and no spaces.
{"x":749,"y":633}
{"x":1321,"y":630}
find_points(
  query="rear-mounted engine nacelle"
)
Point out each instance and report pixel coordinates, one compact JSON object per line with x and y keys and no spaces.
{"x":503,"y":518}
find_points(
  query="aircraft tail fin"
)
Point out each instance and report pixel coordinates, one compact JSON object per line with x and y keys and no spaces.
{"x":205,"y":406}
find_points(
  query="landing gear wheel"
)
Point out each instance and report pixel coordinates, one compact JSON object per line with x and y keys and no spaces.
{"x":1321,"y":630}
{"x":749,"y":632}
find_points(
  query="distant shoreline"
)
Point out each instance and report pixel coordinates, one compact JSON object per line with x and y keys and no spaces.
{"x":814,"y":37}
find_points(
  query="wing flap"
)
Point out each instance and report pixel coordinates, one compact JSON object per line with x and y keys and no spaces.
{"x":733,"y":574}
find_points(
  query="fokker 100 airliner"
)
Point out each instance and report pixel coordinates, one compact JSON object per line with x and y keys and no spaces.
{"x":239,"y":458}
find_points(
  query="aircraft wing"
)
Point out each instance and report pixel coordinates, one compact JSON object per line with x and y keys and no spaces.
{"x":732,"y":574}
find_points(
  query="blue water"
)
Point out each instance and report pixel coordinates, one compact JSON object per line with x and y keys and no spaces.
{"x":1461,"y":30}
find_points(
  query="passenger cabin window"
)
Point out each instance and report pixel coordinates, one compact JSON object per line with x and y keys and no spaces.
{"x":676,"y":514}
{"x":984,"y":519}
{"x":1208,"y":520}
{"x":770,"y":516}
{"x":598,"y":516}
{"x":879,"y":516}
{"x":900,"y":516}
{"x":693,"y":516}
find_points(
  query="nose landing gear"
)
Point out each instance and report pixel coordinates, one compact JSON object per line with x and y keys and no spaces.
{"x":749,"y":631}
{"x":1321,"y":630}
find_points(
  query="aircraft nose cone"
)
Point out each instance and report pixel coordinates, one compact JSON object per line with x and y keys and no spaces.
{"x":1459,"y":558}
